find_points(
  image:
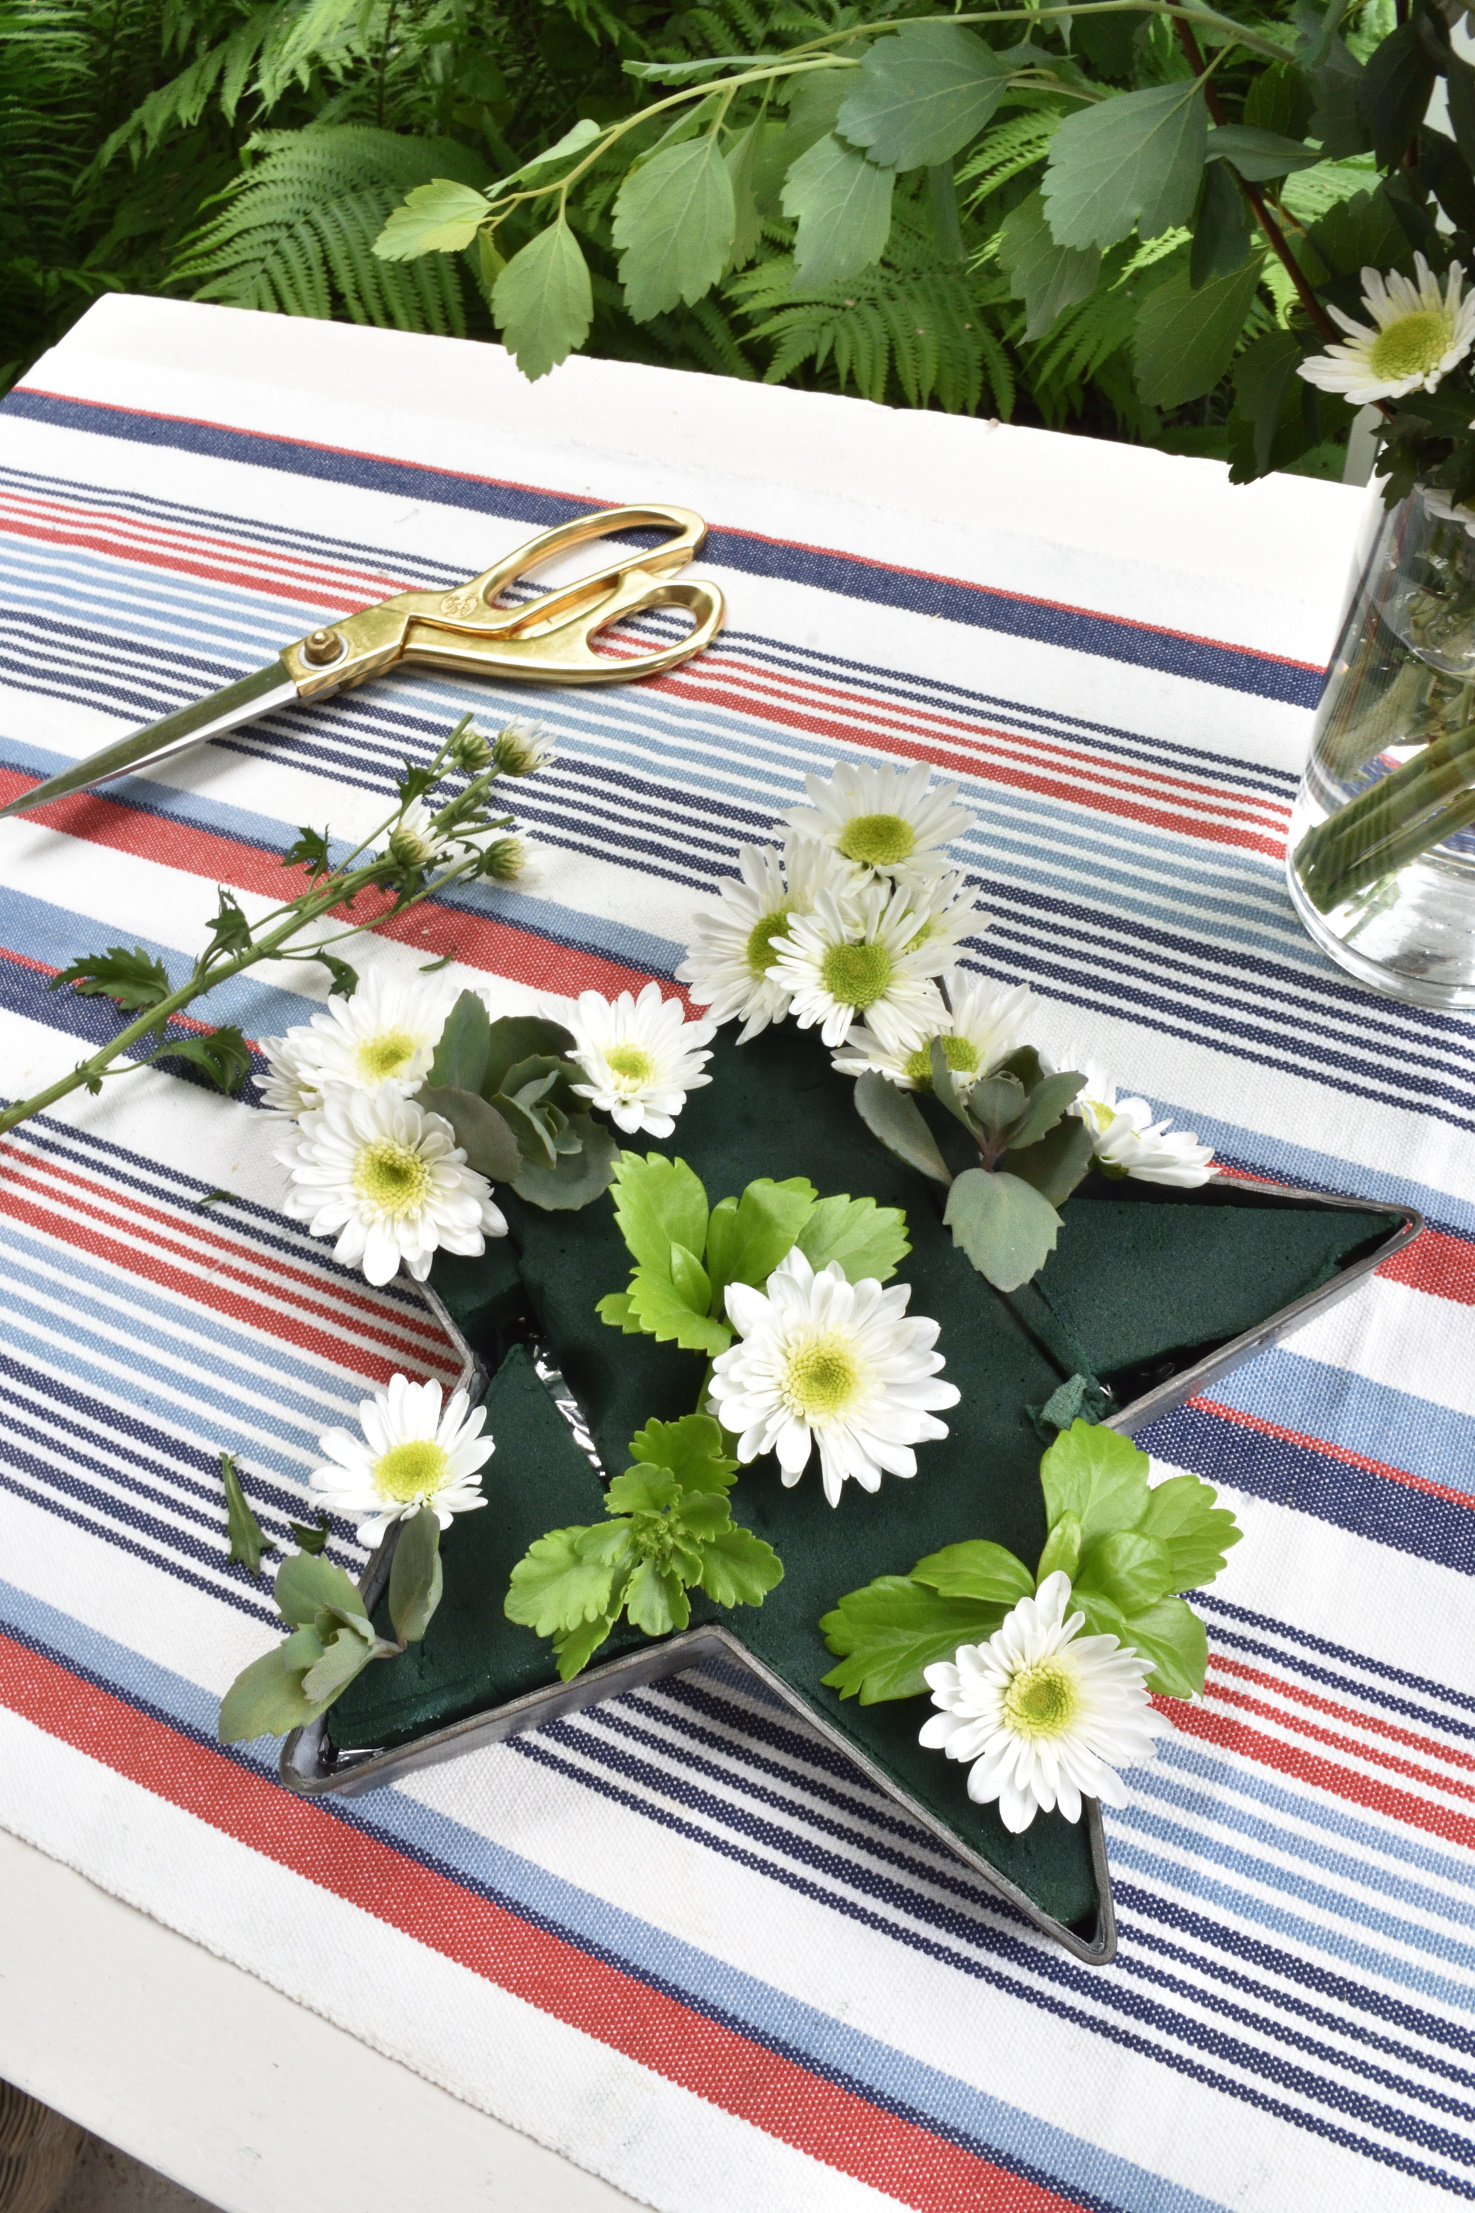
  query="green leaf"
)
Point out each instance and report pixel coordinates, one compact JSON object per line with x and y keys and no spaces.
{"x":230,"y":932}
{"x":888,"y":1633}
{"x":1171,"y":1635}
{"x":535,"y":1133}
{"x":1280,"y":100}
{"x":1003,"y":1224}
{"x":1062,"y":1551}
{"x":208,"y":1198}
{"x":305,"y":1585}
{"x":575,"y":1178}
{"x":742,"y":156}
{"x":461,"y":1055}
{"x":223,"y":1055}
{"x":842,"y":204}
{"x":1054,"y":1164}
{"x":1196,"y":1530}
{"x":689,"y":1280}
{"x":976,"y":1569}
{"x":266,"y":1699}
{"x":1259,"y":155}
{"x":309,"y":850}
{"x":643,"y":1489}
{"x":673,"y":226}
{"x":576,"y":1647}
{"x":436,"y":218}
{"x":921,"y":94}
{"x":659,"y":1203}
{"x":343,"y":977}
{"x":1048,"y":277}
{"x":543,"y":302}
{"x":655,"y":1599}
{"x":248,"y":1540}
{"x":1131,"y":160}
{"x":690,"y":1448}
{"x":574,"y":141}
{"x":1362,"y":232}
{"x":614,"y":1311}
{"x":1047,"y":1102}
{"x":739,"y":1568}
{"x":1264,"y":378}
{"x":1221,"y":227}
{"x":894,"y":1116}
{"x":344,"y":1657}
{"x":1097,"y":1475}
{"x":761,"y":1231}
{"x":1185,"y":340}
{"x":1396,"y":83}
{"x":1133,"y":1571}
{"x":134,"y":980}
{"x":867,"y":1240}
{"x":554,"y":1588}
{"x":415,"y":1576}
{"x":1108,"y":42}
{"x":663,"y":1314}
{"x":517,"y":1038}
{"x":312,"y":1537}
{"x":490,"y":1145}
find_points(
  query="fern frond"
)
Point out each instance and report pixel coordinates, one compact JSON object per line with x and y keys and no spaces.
{"x":1006,"y":152}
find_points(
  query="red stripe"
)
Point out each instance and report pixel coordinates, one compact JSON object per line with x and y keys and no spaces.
{"x":1222,"y":1664}
{"x":1331,"y":1452}
{"x":142,"y":541}
{"x":1417,"y":1810}
{"x":339,"y":601}
{"x":1337,"y":1743}
{"x":1438,"y":1263}
{"x":737,"y":2074}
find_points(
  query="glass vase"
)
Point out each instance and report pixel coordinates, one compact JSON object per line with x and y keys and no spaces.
{"x":1381,"y":858}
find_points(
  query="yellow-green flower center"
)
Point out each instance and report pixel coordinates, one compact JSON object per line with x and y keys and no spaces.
{"x":388,"y":1054}
{"x":760,"y":940}
{"x":821,"y":1377}
{"x":630,"y":1065}
{"x":415,"y":1469}
{"x":857,"y":975}
{"x":1412,"y":346}
{"x":877,"y":841}
{"x":392,"y":1178}
{"x":1043,"y":1700}
{"x":962,"y":1058}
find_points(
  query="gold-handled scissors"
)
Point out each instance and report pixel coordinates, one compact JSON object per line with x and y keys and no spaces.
{"x":546,"y":640}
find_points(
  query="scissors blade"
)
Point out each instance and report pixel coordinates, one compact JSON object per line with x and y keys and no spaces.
{"x":211,"y":717}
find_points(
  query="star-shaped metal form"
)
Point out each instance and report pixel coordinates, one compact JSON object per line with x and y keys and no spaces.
{"x":1161,"y":1289}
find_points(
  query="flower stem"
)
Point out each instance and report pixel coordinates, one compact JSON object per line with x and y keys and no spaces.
{"x":1401,"y":816}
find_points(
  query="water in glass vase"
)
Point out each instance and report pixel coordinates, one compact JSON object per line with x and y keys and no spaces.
{"x":1381,"y":859}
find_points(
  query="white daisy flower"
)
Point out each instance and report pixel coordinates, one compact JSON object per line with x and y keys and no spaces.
{"x":980,"y":1023}
{"x":883,"y":819}
{"x":1045,"y":1716}
{"x":861,"y":956}
{"x":1418,"y":335}
{"x":1129,"y":1143}
{"x":641,"y":1057}
{"x":386,"y":1033}
{"x":822,"y":1361}
{"x":289,"y":1087}
{"x":410,"y":1455}
{"x":389,"y":1181}
{"x":728,"y":961}
{"x":946,"y":911}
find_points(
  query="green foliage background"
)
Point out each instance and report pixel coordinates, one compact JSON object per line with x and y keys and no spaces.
{"x":251,"y":152}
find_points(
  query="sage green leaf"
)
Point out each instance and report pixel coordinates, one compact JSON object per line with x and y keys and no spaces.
{"x":436,"y":218}
{"x":1003,"y":1224}
{"x":344,"y":1657}
{"x":659,"y":1203}
{"x":1258,"y":154}
{"x":1047,"y":1102}
{"x":888,"y":1633}
{"x":689,"y":1280}
{"x":266,"y":1700}
{"x":743,"y":156}
{"x":1055,"y":1164}
{"x":762,"y":1231}
{"x":1062,"y":1551}
{"x":576,"y":1647}
{"x":1185,"y":340}
{"x":543,"y":1079}
{"x":575,"y":1178}
{"x":415,"y":1576}
{"x":485,"y":1135}
{"x":950,"y":1093}
{"x":543,"y":302}
{"x":534,"y":1133}
{"x":248,"y":1540}
{"x":663,"y":1314}
{"x":1221,"y":227}
{"x":674,"y":224}
{"x":691,"y":1448}
{"x":1132,"y":160}
{"x":517,"y":1038}
{"x":461,"y":1055}
{"x":920,"y":95}
{"x":894,"y":1116}
{"x":867,"y":1240}
{"x":1097,"y":1475}
{"x":305,"y":1585}
{"x":312,"y":1536}
{"x":842,"y":204}
{"x":1133,"y":1571}
{"x":554,"y":1589}
{"x":656,"y":1600}
{"x":739,"y":1568}
{"x":1171,"y":1635}
{"x":1048,"y":277}
{"x":1197,"y":1531}
{"x":976,"y":1569}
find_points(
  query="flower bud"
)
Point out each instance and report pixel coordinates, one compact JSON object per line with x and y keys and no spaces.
{"x":407,"y":848}
{"x":522,"y":749}
{"x":504,"y":860}
{"x":471,"y":752}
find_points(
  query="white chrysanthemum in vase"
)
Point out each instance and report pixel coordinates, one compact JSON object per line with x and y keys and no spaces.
{"x":979,"y":1024}
{"x":1128,"y":1142}
{"x":883,"y":819}
{"x":386,"y":1033}
{"x":823,"y":1362}
{"x":410,"y":1455}
{"x":641,"y":1056}
{"x":389,"y":1181}
{"x":861,"y":957}
{"x":728,"y":964}
{"x":1046,"y":1717}
{"x":1418,"y":334}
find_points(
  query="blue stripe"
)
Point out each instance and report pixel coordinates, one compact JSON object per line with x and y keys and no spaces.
{"x":1371,"y":1419}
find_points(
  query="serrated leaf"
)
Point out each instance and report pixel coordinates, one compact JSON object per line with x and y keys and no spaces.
{"x":490,"y":1144}
{"x":1197,"y":1531}
{"x":742,"y":156}
{"x":554,"y":1589}
{"x":223,"y":1055}
{"x":923,"y":93}
{"x":867,"y":1240}
{"x":662,"y":1313}
{"x":1133,"y":1571}
{"x":1184,"y":340}
{"x":1047,"y":276}
{"x":343,"y":977}
{"x":1171,"y":1635}
{"x":1007,"y":1229}
{"x":436,"y":218}
{"x":134,"y":980}
{"x":760,"y":1231}
{"x":576,"y":1647}
{"x":248,"y":1540}
{"x":575,"y":1178}
{"x":656,"y":1600}
{"x":1221,"y":227}
{"x":1062,"y":1553}
{"x":614,"y":1310}
{"x":1056,"y":1163}
{"x":640,"y":1490}
{"x":976,"y":1569}
{"x":658,"y":1203}
{"x":691,"y":1448}
{"x":1134,"y":160}
{"x":543,"y":302}
{"x":739,"y":1568}
{"x":893,"y":1116}
{"x":461,"y":1053}
{"x":415,"y":1576}
{"x":842,"y":204}
{"x":689,"y":1280}
{"x":1097,"y":1475}
{"x":674,"y":222}
{"x":888,"y":1633}
{"x":1397,"y":79}
{"x":309,"y":850}
{"x":312,"y":1537}
{"x":575,"y":139}
{"x":1259,"y":154}
{"x":305,"y":1585}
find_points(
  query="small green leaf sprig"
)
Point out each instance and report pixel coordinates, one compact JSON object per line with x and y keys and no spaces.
{"x":1128,"y":1548}
{"x":413,"y":855}
{"x":669,"y":1531}
{"x":333,"y":1640}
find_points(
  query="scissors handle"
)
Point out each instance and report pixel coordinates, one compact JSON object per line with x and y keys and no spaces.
{"x":545,"y":640}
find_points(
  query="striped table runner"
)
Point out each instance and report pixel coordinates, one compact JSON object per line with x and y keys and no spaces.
{"x":675,"y":1936}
